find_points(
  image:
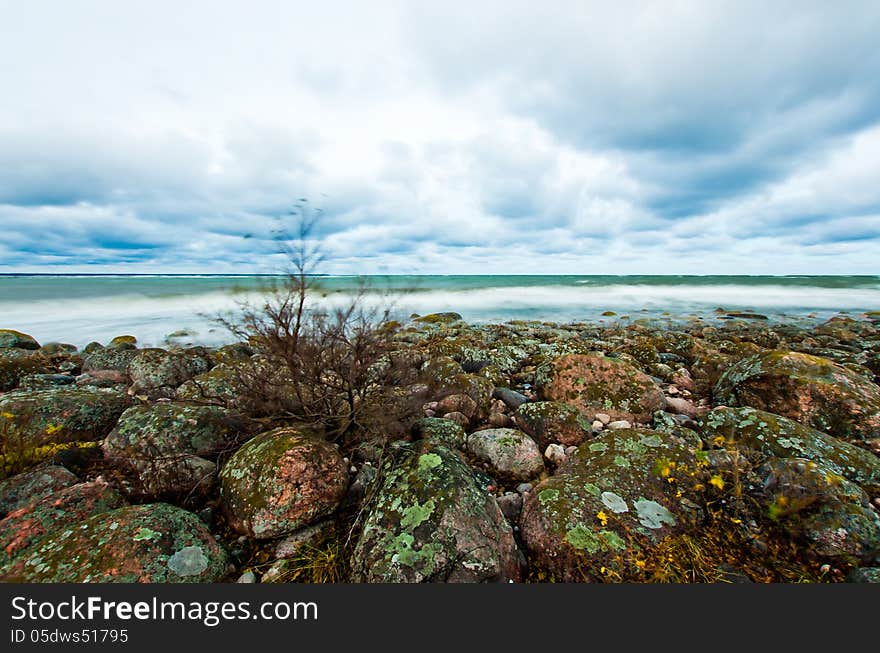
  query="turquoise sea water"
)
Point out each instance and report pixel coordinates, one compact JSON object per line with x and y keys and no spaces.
{"x":82,"y":308}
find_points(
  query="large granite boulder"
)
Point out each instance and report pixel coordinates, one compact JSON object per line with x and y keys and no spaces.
{"x":431,"y":521}
{"x":809,"y":389}
{"x":599,"y":384}
{"x":280,"y":481}
{"x":152,"y":543}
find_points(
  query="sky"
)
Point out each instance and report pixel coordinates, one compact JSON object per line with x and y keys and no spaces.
{"x":448,"y":137}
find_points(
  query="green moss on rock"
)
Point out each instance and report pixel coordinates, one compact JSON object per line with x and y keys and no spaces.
{"x":280,"y":481}
{"x":549,"y":422}
{"x":779,"y":436}
{"x":107,"y":548}
{"x":809,"y":389}
{"x":430,"y":521}
{"x":596,"y":506}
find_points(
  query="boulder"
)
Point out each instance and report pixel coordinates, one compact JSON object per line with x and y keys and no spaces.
{"x":553,"y":422}
{"x":611,"y":499}
{"x":829,"y":516}
{"x":157,"y":372}
{"x":808,"y":389}
{"x":173,"y":428}
{"x":439,"y":318}
{"x":781,"y":437}
{"x":16,"y":364}
{"x":123,"y":342}
{"x":509,"y":453}
{"x":280,"y":481}
{"x":17,"y":340}
{"x":162,"y":449}
{"x":152,"y":543}
{"x":593,"y":383}
{"x":57,"y":511}
{"x":21,"y":489}
{"x":107,"y":358}
{"x":65,"y":414}
{"x":430,"y":521}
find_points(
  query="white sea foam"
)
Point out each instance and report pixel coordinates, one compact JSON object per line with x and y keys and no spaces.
{"x":151,"y":319}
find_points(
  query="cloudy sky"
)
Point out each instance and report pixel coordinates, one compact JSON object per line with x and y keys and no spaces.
{"x":442,"y":137}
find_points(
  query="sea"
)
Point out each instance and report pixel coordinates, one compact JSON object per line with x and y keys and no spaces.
{"x":164,"y":309}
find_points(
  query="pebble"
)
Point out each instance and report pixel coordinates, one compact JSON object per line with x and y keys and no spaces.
{"x":522,"y":488}
{"x":681,"y":406}
{"x":511,"y":505}
{"x":353,"y":469}
{"x":619,"y":424}
{"x":459,"y":418}
{"x":247,"y":577}
{"x":510,"y":398}
{"x":597,"y":425}
{"x":555,"y":453}
{"x":602,"y":417}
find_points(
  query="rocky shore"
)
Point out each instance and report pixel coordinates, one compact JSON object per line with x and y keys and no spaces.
{"x":622,"y":451}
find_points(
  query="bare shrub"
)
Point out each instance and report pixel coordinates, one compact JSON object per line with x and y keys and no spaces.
{"x":328,"y":369}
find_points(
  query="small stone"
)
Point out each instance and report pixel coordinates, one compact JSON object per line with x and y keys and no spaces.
{"x":672,"y":390}
{"x":511,"y":506}
{"x":619,"y":424}
{"x":604,"y":418}
{"x":500,"y":420}
{"x":522,"y":488}
{"x":353,"y":469}
{"x":555,"y":453}
{"x":570,"y":450}
{"x":458,"y":418}
{"x":681,"y":406}
{"x":247,"y":577}
{"x":511,"y":398}
{"x":597,"y":425}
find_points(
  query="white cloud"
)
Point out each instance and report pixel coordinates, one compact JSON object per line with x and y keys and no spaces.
{"x":442,"y":137}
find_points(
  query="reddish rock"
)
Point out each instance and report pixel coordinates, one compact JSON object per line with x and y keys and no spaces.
{"x":681,"y":406}
{"x":594,"y":383}
{"x":23,"y":526}
{"x":458,"y":403}
{"x":154,"y":543}
{"x":550,"y":422}
{"x":22,"y":489}
{"x":281,"y":481}
{"x":812,"y":390}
